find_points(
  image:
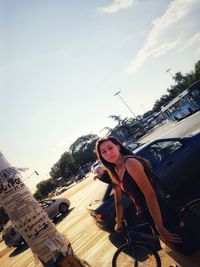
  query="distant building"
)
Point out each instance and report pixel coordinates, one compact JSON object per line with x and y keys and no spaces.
{"x":184,"y":104}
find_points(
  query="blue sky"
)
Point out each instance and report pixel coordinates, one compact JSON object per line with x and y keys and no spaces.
{"x":61,"y":62}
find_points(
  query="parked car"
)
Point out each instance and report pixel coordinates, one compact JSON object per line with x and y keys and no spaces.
{"x":53,"y":207}
{"x":102,"y":207}
{"x":79,"y":176}
{"x":69,"y":182}
{"x":175,"y":163}
{"x":176,"y":168}
{"x":87,"y":167}
{"x":60,"y":190}
{"x":94,"y":165}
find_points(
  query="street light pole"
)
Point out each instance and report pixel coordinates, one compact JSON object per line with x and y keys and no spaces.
{"x":35,"y":172}
{"x":179,"y":85}
{"x":169,"y":71}
{"x":118,"y":94}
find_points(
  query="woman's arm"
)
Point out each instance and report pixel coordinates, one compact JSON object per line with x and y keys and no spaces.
{"x":118,"y":208}
{"x":136,"y":170}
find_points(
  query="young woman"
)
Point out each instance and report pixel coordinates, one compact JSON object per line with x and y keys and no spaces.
{"x":129,"y":173}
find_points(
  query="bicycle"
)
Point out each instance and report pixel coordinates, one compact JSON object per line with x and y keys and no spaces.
{"x":135,"y":253}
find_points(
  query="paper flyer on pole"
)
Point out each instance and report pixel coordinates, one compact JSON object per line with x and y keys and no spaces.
{"x":28,"y":216}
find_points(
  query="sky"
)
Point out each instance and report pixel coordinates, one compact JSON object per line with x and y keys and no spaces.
{"x":61,"y":62}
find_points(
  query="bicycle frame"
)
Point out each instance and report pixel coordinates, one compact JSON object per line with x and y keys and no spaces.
{"x":131,"y":234}
{"x":133,"y":248}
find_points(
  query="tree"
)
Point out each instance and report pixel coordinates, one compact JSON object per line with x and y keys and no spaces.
{"x":55,"y":171}
{"x":179,"y":77}
{"x":117,"y":119}
{"x":197,"y":70}
{"x":126,"y":128}
{"x":45,"y":187}
{"x":164,"y":99}
{"x":82,"y":149}
{"x":65,"y":167}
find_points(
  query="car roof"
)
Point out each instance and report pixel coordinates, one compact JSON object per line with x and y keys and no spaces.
{"x":142,"y":146}
{"x":148,"y":143}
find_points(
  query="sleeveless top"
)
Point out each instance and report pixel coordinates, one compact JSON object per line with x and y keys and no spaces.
{"x":129,"y":185}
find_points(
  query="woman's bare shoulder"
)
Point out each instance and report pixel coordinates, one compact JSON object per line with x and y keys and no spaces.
{"x":133,"y":161}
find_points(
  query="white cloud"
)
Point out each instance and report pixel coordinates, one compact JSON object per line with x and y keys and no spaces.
{"x":177,"y":26}
{"x":194,"y":41}
{"x":117,"y":5}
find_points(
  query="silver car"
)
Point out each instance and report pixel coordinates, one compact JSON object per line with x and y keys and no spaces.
{"x":53,"y":207}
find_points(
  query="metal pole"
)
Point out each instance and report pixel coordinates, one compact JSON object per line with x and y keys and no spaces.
{"x":169,"y":70}
{"x":35,"y":172}
{"x":118,"y":94}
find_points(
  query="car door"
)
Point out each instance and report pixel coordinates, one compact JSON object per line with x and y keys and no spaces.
{"x":162,"y":172}
{"x":49,"y":208}
{"x":183,"y":160}
{"x":171,"y":161}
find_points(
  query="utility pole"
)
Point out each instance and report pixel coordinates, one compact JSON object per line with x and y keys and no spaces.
{"x":169,"y":71}
{"x":118,"y":94}
{"x":35,"y":172}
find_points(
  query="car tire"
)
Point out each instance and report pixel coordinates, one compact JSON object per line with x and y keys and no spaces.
{"x":63,"y":208}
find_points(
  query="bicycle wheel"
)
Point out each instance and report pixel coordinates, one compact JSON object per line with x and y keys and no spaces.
{"x":192,"y":206}
{"x":136,"y":255}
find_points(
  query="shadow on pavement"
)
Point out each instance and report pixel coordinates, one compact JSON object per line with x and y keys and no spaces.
{"x":117,"y":239}
{"x":59,"y":218}
{"x":19,"y":250}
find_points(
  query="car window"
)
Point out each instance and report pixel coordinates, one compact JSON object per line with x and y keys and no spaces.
{"x":163,"y":149}
{"x":45,"y":204}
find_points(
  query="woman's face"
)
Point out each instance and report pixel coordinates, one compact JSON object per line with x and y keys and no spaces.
{"x":109,"y":151}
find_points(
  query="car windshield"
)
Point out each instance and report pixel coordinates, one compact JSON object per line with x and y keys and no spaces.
{"x":133,"y":145}
{"x":161,"y":150}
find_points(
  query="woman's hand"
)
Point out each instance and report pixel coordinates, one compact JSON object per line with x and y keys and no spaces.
{"x":118,"y":228}
{"x":168,"y":237}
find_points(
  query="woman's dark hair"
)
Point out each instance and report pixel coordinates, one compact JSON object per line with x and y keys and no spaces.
{"x":123,"y":150}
